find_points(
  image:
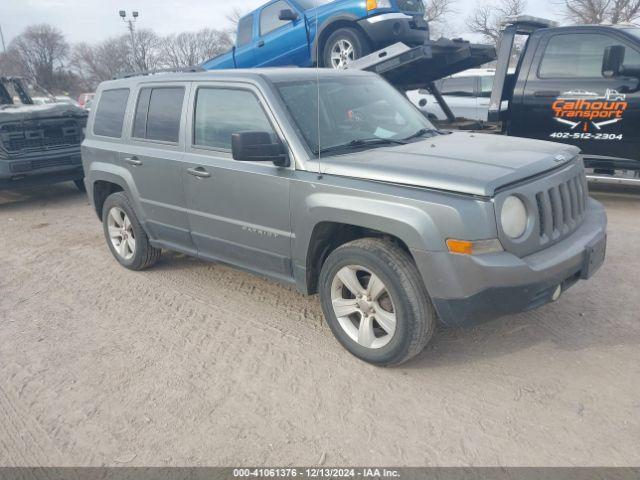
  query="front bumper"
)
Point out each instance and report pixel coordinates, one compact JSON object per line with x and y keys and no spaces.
{"x":468,"y":290}
{"x":41,"y":168}
{"x":389,"y":28}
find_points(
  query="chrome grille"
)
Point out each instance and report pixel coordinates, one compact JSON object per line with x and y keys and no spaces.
{"x":561,"y":208}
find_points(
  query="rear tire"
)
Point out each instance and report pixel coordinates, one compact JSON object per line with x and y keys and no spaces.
{"x":343,"y":47}
{"x":386,"y":323}
{"x":125,"y":237}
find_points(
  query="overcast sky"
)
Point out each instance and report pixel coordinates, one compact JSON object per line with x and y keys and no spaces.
{"x":94,"y":20}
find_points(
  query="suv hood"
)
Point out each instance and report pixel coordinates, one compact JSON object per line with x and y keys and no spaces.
{"x":470,"y":163}
{"x":12,"y":113}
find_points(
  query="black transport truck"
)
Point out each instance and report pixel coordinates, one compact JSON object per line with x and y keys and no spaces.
{"x":39,"y":144}
{"x":578,"y":85}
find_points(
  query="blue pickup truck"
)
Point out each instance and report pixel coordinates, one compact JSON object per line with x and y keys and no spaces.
{"x":326,"y":33}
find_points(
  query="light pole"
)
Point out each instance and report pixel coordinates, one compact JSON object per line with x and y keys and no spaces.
{"x":131,"y":26}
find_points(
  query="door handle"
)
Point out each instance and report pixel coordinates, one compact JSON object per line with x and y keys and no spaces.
{"x":135,"y":161}
{"x":261,"y":44}
{"x":198,"y":172}
{"x":546,"y":94}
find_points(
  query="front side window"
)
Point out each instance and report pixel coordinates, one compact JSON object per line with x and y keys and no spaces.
{"x":459,"y":87}
{"x":245,"y":31}
{"x":270,"y":17}
{"x":580,"y":55}
{"x":351,"y":112}
{"x":110,"y":113}
{"x":221,"y":112}
{"x":158,"y":114}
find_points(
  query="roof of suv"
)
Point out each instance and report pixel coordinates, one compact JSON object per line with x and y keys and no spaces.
{"x":272,"y":74}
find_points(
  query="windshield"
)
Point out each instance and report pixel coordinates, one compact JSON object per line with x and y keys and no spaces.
{"x":633,"y":31}
{"x":357,"y":112}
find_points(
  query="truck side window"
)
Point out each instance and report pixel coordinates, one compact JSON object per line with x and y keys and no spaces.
{"x":221,"y":112}
{"x":270,"y":17}
{"x":459,"y":87}
{"x":579,"y":55}
{"x":158,"y":114}
{"x":245,"y":31}
{"x":486,"y":86}
{"x":110,"y":113}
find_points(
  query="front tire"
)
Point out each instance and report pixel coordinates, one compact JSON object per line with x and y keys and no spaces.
{"x":343,"y":47}
{"x":375,"y":302}
{"x":125,"y":237}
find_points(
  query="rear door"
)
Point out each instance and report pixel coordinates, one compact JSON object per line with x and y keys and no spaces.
{"x":239,"y":211}
{"x":245,"y":56}
{"x":281,"y":42}
{"x":153,"y":155}
{"x":567,"y":99}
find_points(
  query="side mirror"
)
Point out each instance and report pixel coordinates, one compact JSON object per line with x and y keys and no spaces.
{"x":258,"y":147}
{"x":288,"y":15}
{"x":612,"y":61}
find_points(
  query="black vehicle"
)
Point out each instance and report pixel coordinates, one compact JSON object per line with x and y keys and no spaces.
{"x":578,"y":85}
{"x":39,"y":144}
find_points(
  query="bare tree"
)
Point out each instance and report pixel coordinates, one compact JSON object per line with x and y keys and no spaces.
{"x":234,"y":16}
{"x":488,"y":17}
{"x":191,"y":48}
{"x":147,"y":50}
{"x":107,"y":59}
{"x":437,"y":13}
{"x":602,"y":11}
{"x":41,"y":50}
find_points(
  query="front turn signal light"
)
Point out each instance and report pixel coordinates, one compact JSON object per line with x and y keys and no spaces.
{"x":375,"y":4}
{"x":466,"y":247}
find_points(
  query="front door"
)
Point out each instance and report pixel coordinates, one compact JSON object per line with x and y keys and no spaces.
{"x":282,"y":42}
{"x":567,"y":99}
{"x":238,"y":211}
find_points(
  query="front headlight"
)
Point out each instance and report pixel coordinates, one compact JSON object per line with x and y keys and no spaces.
{"x":375,"y":4}
{"x":514,"y":217}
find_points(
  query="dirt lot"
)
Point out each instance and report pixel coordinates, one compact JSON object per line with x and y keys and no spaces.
{"x":197,"y":364}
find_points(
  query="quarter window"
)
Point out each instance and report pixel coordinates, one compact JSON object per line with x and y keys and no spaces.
{"x":579,"y":55}
{"x":270,"y":17}
{"x":222,"y":112}
{"x":110,"y":113}
{"x":245,"y":31}
{"x":158,"y":114}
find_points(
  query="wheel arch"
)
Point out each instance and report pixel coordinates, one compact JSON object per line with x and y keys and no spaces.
{"x":335,"y":23}
{"x":103,"y":183}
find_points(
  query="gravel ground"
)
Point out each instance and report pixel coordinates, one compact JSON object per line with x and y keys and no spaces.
{"x":193,"y":363}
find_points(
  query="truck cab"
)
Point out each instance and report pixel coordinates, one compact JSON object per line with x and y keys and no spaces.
{"x":578,"y":85}
{"x":326,"y":33}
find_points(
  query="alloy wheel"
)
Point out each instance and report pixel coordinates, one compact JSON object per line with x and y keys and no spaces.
{"x":342,"y":54}
{"x":121,"y":233}
{"x":363,"y":306}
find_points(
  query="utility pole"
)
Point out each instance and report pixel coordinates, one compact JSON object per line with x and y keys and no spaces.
{"x":131,"y":26}
{"x":4,"y":47}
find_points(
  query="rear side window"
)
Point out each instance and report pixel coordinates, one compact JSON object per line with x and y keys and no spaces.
{"x":270,"y":17}
{"x":158,"y":114}
{"x":459,"y":87}
{"x":245,"y":31}
{"x":580,"y":55}
{"x":110,"y":113}
{"x":221,"y":112}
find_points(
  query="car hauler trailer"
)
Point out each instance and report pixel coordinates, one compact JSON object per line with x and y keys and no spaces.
{"x":578,"y":85}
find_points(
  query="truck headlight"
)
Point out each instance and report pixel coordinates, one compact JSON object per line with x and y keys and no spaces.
{"x":375,"y":4}
{"x":514,"y":217}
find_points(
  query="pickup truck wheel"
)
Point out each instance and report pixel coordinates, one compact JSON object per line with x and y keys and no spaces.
{"x":375,"y":302}
{"x":343,"y":47}
{"x":125,"y":237}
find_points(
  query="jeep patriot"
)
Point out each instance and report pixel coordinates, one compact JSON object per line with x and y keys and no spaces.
{"x":332,"y":181}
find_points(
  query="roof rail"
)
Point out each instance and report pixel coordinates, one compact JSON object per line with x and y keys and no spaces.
{"x":193,"y":69}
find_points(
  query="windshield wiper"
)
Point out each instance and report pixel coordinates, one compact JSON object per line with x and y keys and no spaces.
{"x":421,"y":133}
{"x":362,"y":142}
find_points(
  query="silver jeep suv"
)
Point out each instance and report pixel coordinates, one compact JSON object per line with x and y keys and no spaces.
{"x":335,"y":183}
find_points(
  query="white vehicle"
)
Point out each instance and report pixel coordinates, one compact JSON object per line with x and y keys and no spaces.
{"x":467,"y":93}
